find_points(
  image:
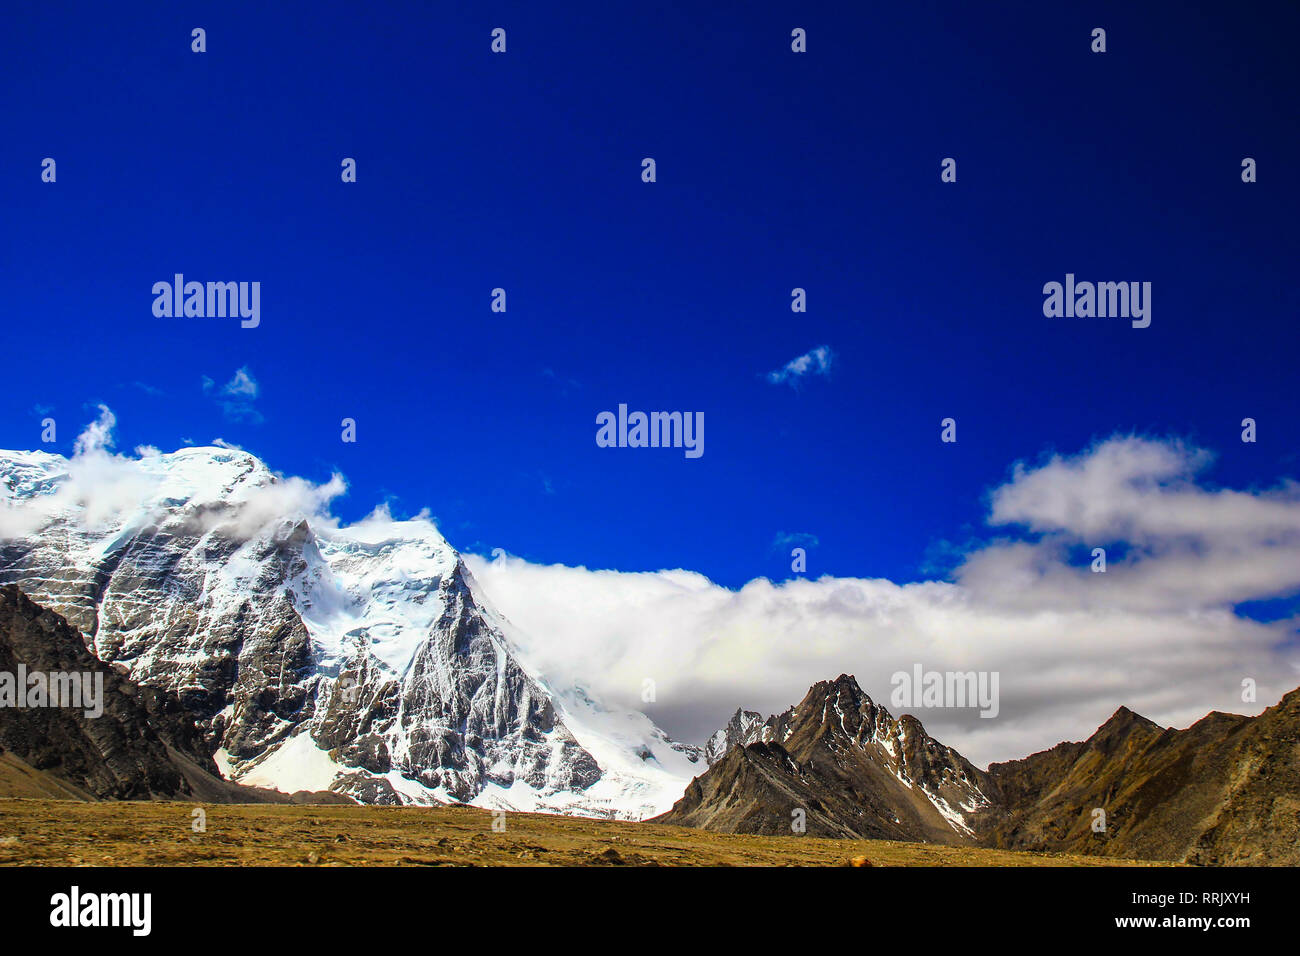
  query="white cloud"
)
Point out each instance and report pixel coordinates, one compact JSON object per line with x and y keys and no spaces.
{"x":101,"y":488}
{"x":1180,"y":545}
{"x":98,"y":434}
{"x":241,"y":384}
{"x":1142,"y":490}
{"x":289,"y":497}
{"x":816,"y":361}
{"x":99,"y":483}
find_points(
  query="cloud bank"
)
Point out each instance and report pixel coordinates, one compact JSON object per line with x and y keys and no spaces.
{"x":1159,"y":631}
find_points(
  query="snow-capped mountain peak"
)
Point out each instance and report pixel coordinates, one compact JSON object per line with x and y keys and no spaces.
{"x":362,"y":658}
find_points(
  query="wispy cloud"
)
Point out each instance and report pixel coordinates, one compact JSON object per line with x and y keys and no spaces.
{"x":794,"y":539}
{"x":815,"y":361}
{"x":236,"y":397}
{"x":98,"y":435}
{"x":564,"y":384}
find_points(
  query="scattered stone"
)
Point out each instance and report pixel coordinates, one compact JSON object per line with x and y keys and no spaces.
{"x":610,"y":856}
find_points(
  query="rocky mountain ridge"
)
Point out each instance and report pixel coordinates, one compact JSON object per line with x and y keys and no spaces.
{"x":1224,"y":791}
{"x":839,"y":765}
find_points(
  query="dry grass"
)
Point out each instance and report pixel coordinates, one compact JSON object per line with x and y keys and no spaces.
{"x":62,"y":833}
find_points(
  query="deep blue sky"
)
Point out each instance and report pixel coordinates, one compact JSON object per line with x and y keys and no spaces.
{"x":775,"y":170}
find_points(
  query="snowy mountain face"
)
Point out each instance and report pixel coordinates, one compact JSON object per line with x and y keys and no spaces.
{"x":362,"y":659}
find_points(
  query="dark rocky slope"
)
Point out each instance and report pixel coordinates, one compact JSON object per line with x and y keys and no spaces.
{"x":1224,"y":791}
{"x":143,"y":746}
